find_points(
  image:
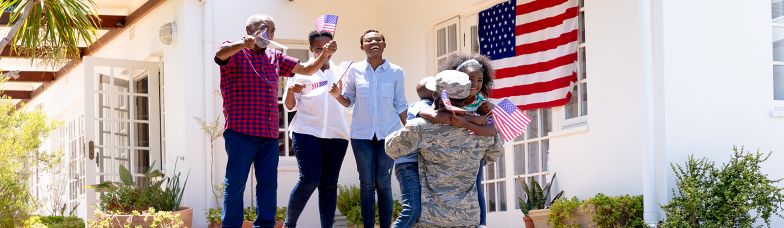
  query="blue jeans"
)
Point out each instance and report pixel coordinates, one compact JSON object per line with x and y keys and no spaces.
{"x":375,"y":173}
{"x":481,"y":194}
{"x":408,"y":176}
{"x":242,"y":150}
{"x":319,"y":162}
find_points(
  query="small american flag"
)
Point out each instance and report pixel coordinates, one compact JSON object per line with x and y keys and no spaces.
{"x":327,"y":23}
{"x":316,"y":85}
{"x":448,"y":103}
{"x":509,"y":120}
{"x":264,"y":36}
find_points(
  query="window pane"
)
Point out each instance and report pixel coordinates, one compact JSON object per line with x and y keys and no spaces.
{"x":490,"y":170}
{"x":581,"y":28}
{"x":778,"y":82}
{"x":501,"y":167}
{"x":474,"y":39}
{"x":281,"y":145}
{"x":583,"y":99}
{"x":452,"y":35}
{"x":533,"y":157}
{"x":491,"y":197}
{"x":581,"y":3}
{"x":518,"y":192}
{"x":545,"y":155}
{"x":441,"y":42}
{"x":581,"y":63}
{"x":547,"y":119}
{"x":778,"y":11}
{"x":778,"y":43}
{"x":571,"y":108}
{"x":533,"y":127}
{"x":502,"y":195}
{"x":519,"y":159}
{"x":281,"y":116}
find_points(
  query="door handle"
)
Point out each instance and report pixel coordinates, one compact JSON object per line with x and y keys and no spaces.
{"x":91,"y":149}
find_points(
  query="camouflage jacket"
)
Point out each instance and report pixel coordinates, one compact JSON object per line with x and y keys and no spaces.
{"x":448,"y":164}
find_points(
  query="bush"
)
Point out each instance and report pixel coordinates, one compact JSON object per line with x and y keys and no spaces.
{"x":736,"y":194}
{"x":563,"y":210}
{"x":617,"y":211}
{"x":280,"y":214}
{"x":608,"y":211}
{"x":160,"y":219}
{"x":349,"y":206}
{"x":54,"y":222}
{"x":214,"y":215}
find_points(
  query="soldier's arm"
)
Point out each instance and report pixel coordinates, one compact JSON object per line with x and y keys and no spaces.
{"x":495,"y":150}
{"x":403,"y":141}
{"x":460,"y":121}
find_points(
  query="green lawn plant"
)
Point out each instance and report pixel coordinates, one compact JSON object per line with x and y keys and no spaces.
{"x":152,"y":190}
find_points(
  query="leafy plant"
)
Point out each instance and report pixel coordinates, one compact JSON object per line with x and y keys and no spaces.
{"x":160,"y":219}
{"x":536,"y":197}
{"x":280,"y":214}
{"x":617,"y":211}
{"x":150,"y":192}
{"x":736,"y":194}
{"x":54,"y":222}
{"x":50,"y":30}
{"x":214,"y":215}
{"x":249,"y":214}
{"x":20,"y":137}
{"x":348,"y":205}
{"x":562,"y":212}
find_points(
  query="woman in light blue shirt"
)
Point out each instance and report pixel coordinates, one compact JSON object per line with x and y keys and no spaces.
{"x":376,"y":91}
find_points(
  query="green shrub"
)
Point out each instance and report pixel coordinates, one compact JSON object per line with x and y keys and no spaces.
{"x":617,"y":211}
{"x":349,"y":206}
{"x":54,"y":222}
{"x":214,"y":215}
{"x":736,"y":194}
{"x":280,"y":214}
{"x":153,"y":190}
{"x":562,"y":212}
{"x":160,"y":219}
{"x":249,"y":214}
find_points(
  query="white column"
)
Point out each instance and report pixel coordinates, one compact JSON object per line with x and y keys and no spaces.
{"x":650,"y":205}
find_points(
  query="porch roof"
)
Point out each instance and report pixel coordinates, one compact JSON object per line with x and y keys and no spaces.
{"x":28,"y":79}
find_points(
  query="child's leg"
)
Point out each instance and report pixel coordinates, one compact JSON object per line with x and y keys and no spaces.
{"x":481,"y":195}
{"x":408,"y":176}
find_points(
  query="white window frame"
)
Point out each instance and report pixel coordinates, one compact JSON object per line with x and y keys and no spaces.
{"x":581,"y":119}
{"x":543,"y":134}
{"x":779,"y":104}
{"x":458,"y":43}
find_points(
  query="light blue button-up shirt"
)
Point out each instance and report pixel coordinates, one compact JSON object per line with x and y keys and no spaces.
{"x":377,"y":97}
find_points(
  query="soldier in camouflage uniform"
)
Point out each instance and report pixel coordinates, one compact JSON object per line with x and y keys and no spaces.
{"x":448,"y":161}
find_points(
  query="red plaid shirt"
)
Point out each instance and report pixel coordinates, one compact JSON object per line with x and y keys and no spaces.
{"x":249,"y":85}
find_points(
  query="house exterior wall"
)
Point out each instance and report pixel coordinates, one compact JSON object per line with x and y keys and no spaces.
{"x":712,"y":72}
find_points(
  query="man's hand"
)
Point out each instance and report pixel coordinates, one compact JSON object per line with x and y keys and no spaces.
{"x":330,"y":48}
{"x":478,"y":120}
{"x":458,"y":121}
{"x":296,"y":87}
{"x":337,"y":89}
{"x":249,"y":41}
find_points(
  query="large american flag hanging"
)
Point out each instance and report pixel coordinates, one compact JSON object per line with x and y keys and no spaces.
{"x":326,"y":23}
{"x":533,"y":47}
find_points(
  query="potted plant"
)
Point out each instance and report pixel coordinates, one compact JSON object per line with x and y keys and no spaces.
{"x":536,"y":199}
{"x":153,"y":191}
{"x":280,"y":217}
{"x":214,"y":217}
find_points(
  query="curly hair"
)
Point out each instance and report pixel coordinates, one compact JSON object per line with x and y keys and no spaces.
{"x":457,"y":59}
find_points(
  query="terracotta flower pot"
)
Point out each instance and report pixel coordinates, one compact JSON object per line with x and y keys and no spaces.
{"x":582,"y":217}
{"x":186,"y":214}
{"x":539,"y":218}
{"x":278,"y":224}
{"x":247,"y":224}
{"x":214,"y":225}
{"x":529,"y":222}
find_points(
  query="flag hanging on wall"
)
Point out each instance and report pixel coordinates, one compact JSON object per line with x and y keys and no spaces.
{"x":533,"y":48}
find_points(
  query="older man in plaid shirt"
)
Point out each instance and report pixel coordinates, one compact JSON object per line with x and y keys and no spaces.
{"x":249,"y":85}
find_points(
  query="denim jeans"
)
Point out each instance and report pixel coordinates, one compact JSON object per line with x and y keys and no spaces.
{"x":242,"y":151}
{"x":319,"y":162}
{"x":375,"y":173}
{"x":481,"y":194}
{"x":408,"y":176}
